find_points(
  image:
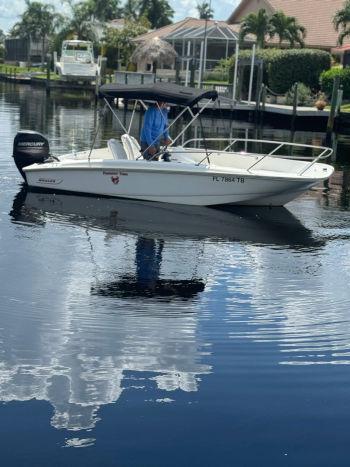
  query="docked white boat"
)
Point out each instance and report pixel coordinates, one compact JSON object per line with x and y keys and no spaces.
{"x":242,"y":171}
{"x":77,"y":61}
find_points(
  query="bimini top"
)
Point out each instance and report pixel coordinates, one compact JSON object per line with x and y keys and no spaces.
{"x":161,"y":92}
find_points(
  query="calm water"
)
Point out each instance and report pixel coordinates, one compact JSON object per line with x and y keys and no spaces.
{"x":154,"y":335}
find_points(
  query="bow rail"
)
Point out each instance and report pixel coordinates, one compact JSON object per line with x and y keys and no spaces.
{"x":278,"y":146}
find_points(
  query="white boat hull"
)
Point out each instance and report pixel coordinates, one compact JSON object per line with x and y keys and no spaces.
{"x":168,"y":182}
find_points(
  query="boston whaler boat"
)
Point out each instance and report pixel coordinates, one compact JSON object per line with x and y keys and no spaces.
{"x":244,"y":172}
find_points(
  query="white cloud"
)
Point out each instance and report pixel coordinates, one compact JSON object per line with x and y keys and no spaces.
{"x":222,"y":8}
{"x":184,"y":8}
{"x":11,"y":11}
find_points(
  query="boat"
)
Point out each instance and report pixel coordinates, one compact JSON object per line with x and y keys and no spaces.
{"x":77,"y":62}
{"x":200,"y":171}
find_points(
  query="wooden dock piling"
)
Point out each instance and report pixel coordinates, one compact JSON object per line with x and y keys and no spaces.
{"x":48,"y":73}
{"x":332,"y":115}
{"x":295,"y":105}
{"x":192,"y":72}
{"x":177,"y":71}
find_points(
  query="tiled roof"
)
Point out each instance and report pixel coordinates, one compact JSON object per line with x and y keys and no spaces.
{"x":117,"y":23}
{"x":315,"y":15}
{"x":185,"y":23}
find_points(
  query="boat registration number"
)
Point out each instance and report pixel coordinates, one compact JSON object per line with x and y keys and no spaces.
{"x":228,"y":179}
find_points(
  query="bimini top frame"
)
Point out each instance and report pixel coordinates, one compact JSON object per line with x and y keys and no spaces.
{"x":161,"y":92}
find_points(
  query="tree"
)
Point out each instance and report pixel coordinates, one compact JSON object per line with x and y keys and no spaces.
{"x":341,"y":22}
{"x":2,"y":41}
{"x":287,"y":29}
{"x":131,"y":10}
{"x":257,"y":24}
{"x":158,"y":12}
{"x":204,"y":10}
{"x":37,"y":22}
{"x":79,"y":24}
{"x":118,"y":43}
{"x":103,"y":10}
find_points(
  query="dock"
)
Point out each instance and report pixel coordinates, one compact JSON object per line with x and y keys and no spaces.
{"x":17,"y":79}
{"x":43,"y":82}
{"x":223,"y":103}
{"x":285,"y":116}
{"x":276,"y":114}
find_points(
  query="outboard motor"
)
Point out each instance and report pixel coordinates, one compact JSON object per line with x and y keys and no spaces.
{"x":29,"y":147}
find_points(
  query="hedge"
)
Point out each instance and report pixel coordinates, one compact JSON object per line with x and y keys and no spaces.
{"x":282,"y":68}
{"x":327,"y":79}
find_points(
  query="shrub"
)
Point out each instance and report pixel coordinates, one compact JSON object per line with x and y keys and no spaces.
{"x":216,"y":75}
{"x":298,"y":65}
{"x":282,"y":68}
{"x":327,"y":79}
{"x":305,"y":96}
{"x":264,"y":54}
{"x":220,"y":72}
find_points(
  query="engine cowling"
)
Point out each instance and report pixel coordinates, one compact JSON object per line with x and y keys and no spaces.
{"x":29,"y":147}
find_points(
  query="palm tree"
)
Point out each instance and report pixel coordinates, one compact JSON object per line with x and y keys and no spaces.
{"x":158,"y":12}
{"x":257,"y":24}
{"x":37,"y":22}
{"x":79,"y":24}
{"x":131,"y":10}
{"x":104,"y":10}
{"x":287,"y":29}
{"x":341,"y":22}
{"x":204,"y":10}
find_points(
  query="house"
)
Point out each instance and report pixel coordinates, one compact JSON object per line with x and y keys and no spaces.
{"x":117,"y":23}
{"x":24,"y":50}
{"x":315,"y":15}
{"x":188,"y":35}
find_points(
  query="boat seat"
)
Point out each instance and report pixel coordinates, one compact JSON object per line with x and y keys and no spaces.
{"x":131,"y":147}
{"x":117,"y":149}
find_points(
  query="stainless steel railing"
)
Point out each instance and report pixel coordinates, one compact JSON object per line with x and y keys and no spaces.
{"x":323,"y":152}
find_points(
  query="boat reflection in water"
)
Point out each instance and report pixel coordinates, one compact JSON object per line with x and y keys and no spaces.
{"x":155,"y":225}
{"x":97,"y":339}
{"x":259,"y":225}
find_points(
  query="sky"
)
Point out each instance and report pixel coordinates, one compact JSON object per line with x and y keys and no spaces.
{"x":10,"y":10}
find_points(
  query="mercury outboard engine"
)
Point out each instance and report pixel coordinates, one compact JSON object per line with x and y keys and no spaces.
{"x":29,"y":147}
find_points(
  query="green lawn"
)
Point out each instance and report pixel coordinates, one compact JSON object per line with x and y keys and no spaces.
{"x":38,"y":72}
{"x":216,"y":82}
{"x":19,"y":69}
{"x":345,"y":107}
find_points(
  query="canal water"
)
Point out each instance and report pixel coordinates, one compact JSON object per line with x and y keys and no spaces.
{"x":141,"y":334}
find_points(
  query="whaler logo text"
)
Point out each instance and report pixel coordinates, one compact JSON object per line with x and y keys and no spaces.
{"x":50,"y":181}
